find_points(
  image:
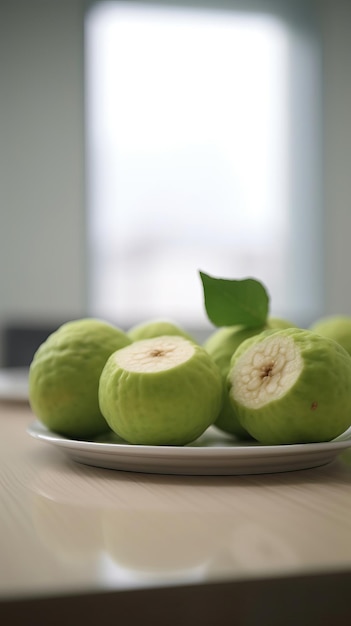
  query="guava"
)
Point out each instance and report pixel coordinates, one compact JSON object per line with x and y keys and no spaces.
{"x":279,"y":323}
{"x":157,"y":328}
{"x":161,"y":391}
{"x":64,"y":376}
{"x":337,"y":327}
{"x":221,"y":346}
{"x":291,"y":386}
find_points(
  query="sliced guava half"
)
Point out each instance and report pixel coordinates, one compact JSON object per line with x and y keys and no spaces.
{"x":160,"y":391}
{"x":291,"y":386}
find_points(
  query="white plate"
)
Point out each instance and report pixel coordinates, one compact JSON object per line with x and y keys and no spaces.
{"x":213,"y":453}
{"x":14,"y":384}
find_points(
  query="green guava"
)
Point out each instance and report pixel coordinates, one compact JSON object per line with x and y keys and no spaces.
{"x":221,"y":345}
{"x":337,"y":327}
{"x":276,"y":323}
{"x":64,"y":376}
{"x":161,"y":391}
{"x":291,"y":386}
{"x":156,"y":328}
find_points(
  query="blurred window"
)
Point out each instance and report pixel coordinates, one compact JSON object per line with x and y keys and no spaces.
{"x":202,"y":147}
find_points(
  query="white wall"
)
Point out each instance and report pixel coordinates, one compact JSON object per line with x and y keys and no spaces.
{"x":42,"y":228}
{"x":43,"y":264}
{"x":336,"y":28}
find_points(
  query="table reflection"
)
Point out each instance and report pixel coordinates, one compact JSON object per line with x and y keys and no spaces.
{"x":122,"y":529}
{"x":141,"y":543}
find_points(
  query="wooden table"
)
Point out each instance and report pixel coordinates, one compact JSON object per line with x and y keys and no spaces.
{"x":84,"y":545}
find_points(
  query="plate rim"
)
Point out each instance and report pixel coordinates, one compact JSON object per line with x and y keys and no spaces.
{"x":39,"y":431}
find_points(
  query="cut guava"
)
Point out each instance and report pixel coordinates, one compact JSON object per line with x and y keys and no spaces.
{"x":221,"y":345}
{"x":291,"y":386}
{"x":161,"y":391}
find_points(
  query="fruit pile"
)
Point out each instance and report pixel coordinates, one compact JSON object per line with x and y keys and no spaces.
{"x":256,"y":377}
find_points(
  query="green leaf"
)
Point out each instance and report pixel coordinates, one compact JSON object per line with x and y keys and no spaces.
{"x":231,"y":302}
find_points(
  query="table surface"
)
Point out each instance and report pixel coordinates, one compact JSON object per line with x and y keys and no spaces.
{"x":67,"y":528}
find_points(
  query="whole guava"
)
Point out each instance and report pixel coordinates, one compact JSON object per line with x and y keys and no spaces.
{"x":291,"y":386}
{"x":64,"y":376}
{"x":337,"y":327}
{"x":157,"y":328}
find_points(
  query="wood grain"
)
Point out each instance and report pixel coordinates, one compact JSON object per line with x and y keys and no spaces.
{"x":66,"y":528}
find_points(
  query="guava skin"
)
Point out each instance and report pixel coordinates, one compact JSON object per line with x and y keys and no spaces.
{"x":227,"y":420}
{"x":221,"y":346}
{"x":337,"y":327}
{"x":169,"y":407}
{"x":156,"y":328}
{"x":316,"y":408}
{"x":279,"y":323}
{"x":64,"y":376}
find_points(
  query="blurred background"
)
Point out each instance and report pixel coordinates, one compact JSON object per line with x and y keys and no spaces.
{"x":142,"y":142}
